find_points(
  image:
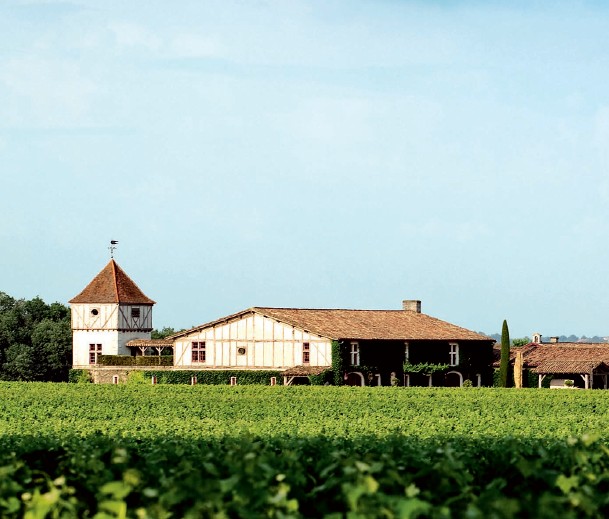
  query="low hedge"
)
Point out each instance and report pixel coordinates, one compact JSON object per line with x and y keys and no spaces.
{"x":214,"y":377}
{"x":128,"y":360}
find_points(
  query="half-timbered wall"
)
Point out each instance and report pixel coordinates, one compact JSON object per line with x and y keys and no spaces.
{"x":253,"y":341}
{"x":111,"y":325}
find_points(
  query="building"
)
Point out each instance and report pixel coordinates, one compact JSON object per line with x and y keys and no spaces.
{"x":106,"y":315}
{"x":583,"y":365}
{"x":113,"y":317}
{"x":368,"y":347}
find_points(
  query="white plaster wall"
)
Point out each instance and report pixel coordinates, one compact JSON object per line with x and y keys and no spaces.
{"x":81,"y":340}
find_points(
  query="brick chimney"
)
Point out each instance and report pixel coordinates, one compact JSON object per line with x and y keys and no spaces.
{"x":412,"y":305}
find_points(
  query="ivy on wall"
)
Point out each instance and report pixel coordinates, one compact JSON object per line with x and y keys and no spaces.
{"x":325,"y":377}
{"x":426,"y":368}
{"x":339,"y":362}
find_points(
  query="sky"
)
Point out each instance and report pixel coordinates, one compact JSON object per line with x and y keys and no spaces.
{"x":314,"y":154}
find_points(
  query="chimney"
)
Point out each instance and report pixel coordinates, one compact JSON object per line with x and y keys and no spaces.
{"x":553,"y":340}
{"x":536,"y":338}
{"x":411,"y":305}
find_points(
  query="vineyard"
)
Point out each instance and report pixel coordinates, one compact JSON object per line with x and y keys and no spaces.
{"x":107,"y":451}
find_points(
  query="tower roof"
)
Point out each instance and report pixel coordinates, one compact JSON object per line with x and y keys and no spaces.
{"x":112,"y":285}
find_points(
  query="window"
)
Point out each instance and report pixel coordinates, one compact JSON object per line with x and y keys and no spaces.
{"x":94,"y":312}
{"x":115,"y":379}
{"x":406,"y":352}
{"x":233,"y":381}
{"x":354,"y":354}
{"x":306,"y":352}
{"x":95,"y":350}
{"x":198,"y":351}
{"x":273,"y":381}
{"x":453,"y":354}
{"x":135,"y":313}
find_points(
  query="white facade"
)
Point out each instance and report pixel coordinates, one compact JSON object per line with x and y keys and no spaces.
{"x":106,"y":328}
{"x":252,"y":341}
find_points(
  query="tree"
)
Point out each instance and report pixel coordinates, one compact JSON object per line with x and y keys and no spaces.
{"x":35,"y":340}
{"x":523,"y":341}
{"x":166,"y":331}
{"x":505,"y":355}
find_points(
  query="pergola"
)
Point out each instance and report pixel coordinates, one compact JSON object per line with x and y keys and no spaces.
{"x":142,"y":345}
{"x":290,"y":374}
{"x":584,"y":368}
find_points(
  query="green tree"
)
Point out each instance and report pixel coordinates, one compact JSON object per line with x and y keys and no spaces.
{"x":505,"y":355}
{"x":166,"y":331}
{"x":35,"y":340}
{"x":523,"y":341}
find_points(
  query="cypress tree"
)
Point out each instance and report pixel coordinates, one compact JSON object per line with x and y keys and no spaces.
{"x":505,"y":355}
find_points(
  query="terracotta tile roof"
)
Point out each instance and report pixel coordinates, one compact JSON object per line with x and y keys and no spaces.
{"x":112,"y":285}
{"x":145,"y":343}
{"x":302,"y":371}
{"x":564,"y":357}
{"x":569,"y":366}
{"x":360,"y":324}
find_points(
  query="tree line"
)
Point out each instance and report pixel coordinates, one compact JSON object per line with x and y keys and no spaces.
{"x":35,"y":340}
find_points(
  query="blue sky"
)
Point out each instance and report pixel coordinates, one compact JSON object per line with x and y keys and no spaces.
{"x":332,"y":154}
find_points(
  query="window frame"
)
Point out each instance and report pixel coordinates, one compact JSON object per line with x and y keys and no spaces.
{"x":95,"y":350}
{"x":306,"y":353}
{"x":198,"y":352}
{"x":355,"y":353}
{"x":453,"y":354}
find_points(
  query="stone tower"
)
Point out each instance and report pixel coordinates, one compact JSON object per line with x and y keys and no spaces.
{"x":108,"y":313}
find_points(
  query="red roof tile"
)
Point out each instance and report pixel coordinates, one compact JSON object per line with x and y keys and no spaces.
{"x":560,"y":357}
{"x":301,"y":371}
{"x":360,"y":324}
{"x":146,"y":343}
{"x":112,"y":285}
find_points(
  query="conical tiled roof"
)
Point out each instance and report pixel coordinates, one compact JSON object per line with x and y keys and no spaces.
{"x":112,"y":285}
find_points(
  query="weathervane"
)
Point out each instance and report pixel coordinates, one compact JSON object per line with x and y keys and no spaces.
{"x":113,"y":244}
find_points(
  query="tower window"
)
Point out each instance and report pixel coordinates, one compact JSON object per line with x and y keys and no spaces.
{"x":94,"y":312}
{"x":198,"y":351}
{"x":95,"y":350}
{"x":135,"y":313}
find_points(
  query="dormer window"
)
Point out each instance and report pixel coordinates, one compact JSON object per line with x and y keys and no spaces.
{"x":135,"y":313}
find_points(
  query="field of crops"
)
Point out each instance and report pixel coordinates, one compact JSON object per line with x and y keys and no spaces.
{"x":81,"y":450}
